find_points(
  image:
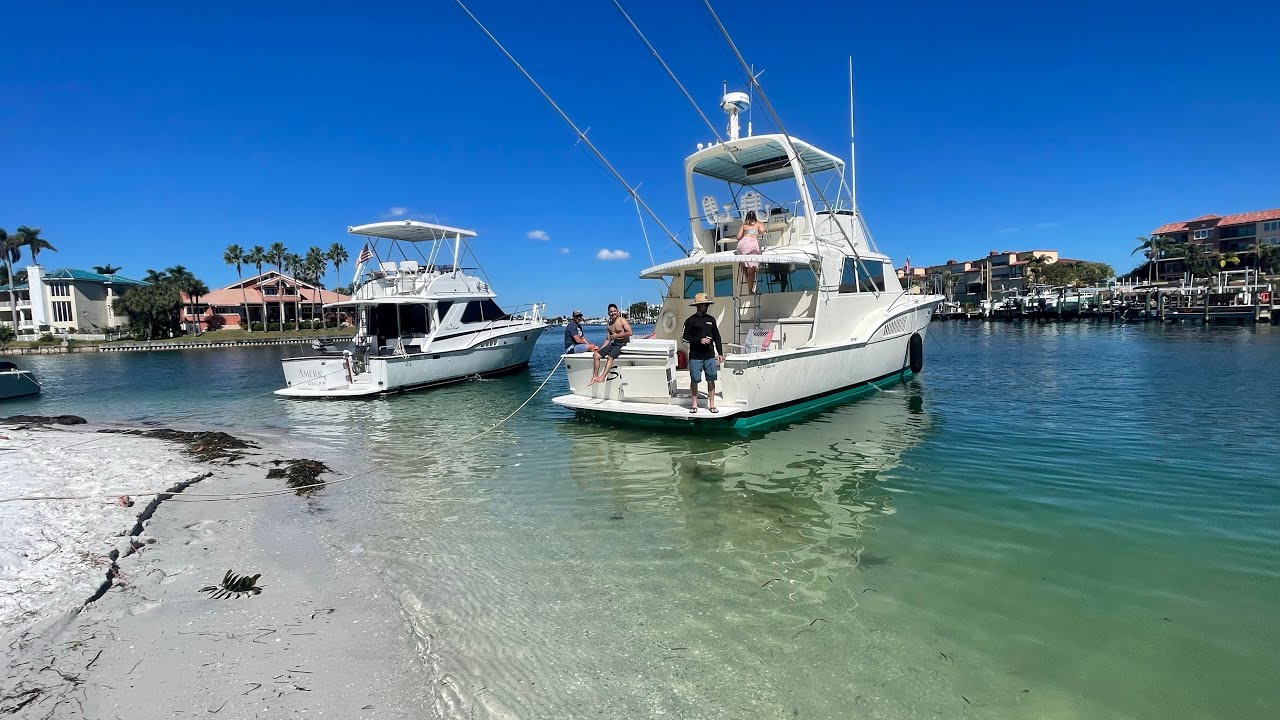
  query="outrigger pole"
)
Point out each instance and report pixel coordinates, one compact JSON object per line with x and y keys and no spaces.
{"x":581,"y":135}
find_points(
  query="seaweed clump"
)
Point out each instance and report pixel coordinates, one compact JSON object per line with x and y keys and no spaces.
{"x":44,"y":420}
{"x":205,"y":445}
{"x":300,"y":474}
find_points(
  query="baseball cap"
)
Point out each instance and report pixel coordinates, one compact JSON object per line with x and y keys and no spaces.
{"x":577,"y":313}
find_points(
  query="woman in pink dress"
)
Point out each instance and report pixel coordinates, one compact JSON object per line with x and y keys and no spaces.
{"x":749,"y":244}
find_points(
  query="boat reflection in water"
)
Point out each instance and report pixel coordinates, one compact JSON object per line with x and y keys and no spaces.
{"x":794,"y":502}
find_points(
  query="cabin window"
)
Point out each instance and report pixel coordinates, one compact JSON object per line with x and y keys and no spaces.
{"x":777,"y":278}
{"x":482,"y":311}
{"x":861,"y":276}
{"x":694,"y":283}
{"x":442,"y":309}
{"x":388,"y":321}
{"x":722,"y":281}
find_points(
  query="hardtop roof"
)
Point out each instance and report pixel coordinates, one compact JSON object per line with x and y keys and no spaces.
{"x":758,"y":159}
{"x":410,"y":231}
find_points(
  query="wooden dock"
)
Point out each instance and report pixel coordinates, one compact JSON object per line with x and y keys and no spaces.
{"x":1254,"y":304}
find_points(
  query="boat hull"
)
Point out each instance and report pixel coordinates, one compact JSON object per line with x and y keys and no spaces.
{"x":333,"y":376}
{"x":760,"y":388}
{"x":18,"y":383}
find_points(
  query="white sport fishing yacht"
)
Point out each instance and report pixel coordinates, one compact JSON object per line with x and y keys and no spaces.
{"x":827,"y":318}
{"x":418,"y":322}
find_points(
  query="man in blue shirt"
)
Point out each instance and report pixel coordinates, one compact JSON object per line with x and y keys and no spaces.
{"x":574,"y":341}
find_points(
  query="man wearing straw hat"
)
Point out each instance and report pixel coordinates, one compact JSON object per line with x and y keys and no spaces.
{"x":705,"y":351}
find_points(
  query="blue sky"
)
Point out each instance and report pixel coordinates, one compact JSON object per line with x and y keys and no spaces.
{"x":150,"y":134}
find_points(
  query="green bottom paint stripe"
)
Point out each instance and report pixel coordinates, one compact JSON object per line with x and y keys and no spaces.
{"x":764,"y":416}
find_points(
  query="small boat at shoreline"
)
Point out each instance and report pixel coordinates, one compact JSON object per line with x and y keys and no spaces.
{"x":15,"y":382}
{"x":825,"y":320}
{"x":419,"y":323}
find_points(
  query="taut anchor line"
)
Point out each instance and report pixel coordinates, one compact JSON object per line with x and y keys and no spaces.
{"x":582,"y":137}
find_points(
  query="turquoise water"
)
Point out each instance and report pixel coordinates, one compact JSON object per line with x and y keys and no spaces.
{"x":1052,"y":521}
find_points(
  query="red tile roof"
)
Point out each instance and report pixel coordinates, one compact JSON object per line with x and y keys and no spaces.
{"x":1237,"y":219}
{"x":232,"y":295}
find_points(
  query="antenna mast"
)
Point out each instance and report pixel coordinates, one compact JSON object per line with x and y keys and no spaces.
{"x":853,"y":195}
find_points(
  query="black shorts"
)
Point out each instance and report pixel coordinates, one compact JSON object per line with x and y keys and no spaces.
{"x":612,"y":350}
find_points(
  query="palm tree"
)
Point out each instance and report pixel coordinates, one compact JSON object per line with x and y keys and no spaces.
{"x":1222,"y":259}
{"x":337,"y":256}
{"x":234,"y":256}
{"x":293,"y":265}
{"x":1196,"y":259}
{"x":106,"y":269}
{"x":1034,"y":266}
{"x":1153,"y":249}
{"x":154,"y":277}
{"x":194,"y":288}
{"x":30,"y":237}
{"x":10,"y":248}
{"x":948,"y":283}
{"x":315,"y":262}
{"x":1264,"y":255}
{"x":256,"y":257}
{"x":276,"y":254}
{"x":181,"y":279}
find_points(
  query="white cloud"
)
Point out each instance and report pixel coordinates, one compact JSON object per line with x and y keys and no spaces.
{"x":398,"y":211}
{"x":564,"y":251}
{"x":1047,"y":226}
{"x":538,"y":235}
{"x":1007,"y":231}
{"x":607,"y":254}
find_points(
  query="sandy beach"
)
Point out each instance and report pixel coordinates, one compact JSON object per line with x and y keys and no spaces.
{"x":324,"y":638}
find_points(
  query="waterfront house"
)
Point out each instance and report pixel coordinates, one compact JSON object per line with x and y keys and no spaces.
{"x":271,"y":292}
{"x":75,"y":302}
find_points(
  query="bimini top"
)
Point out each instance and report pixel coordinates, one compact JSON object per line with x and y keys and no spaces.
{"x":410,"y":231}
{"x":783,"y":257}
{"x":758,"y":159}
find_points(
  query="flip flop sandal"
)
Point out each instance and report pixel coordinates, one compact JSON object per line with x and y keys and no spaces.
{"x":714,"y":410}
{"x":693,"y":411}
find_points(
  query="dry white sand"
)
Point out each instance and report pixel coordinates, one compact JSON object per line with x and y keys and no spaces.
{"x":323,"y":639}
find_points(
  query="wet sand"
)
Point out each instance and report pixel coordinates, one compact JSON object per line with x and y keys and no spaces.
{"x":324,"y":638}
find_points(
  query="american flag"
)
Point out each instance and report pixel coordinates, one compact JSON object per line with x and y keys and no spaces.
{"x":366,"y":254}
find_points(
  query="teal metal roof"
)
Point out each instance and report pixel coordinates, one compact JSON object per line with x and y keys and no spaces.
{"x":81,"y":275}
{"x":73,"y":274}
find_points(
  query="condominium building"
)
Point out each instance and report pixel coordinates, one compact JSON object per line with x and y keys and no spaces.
{"x":77,"y":302}
{"x":1240,"y":234}
{"x":967,"y":281}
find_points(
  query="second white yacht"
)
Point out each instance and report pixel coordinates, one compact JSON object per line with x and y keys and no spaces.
{"x":419,"y":322}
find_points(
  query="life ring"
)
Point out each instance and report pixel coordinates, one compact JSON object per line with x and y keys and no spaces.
{"x":668,"y":321}
{"x":915,"y":352}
